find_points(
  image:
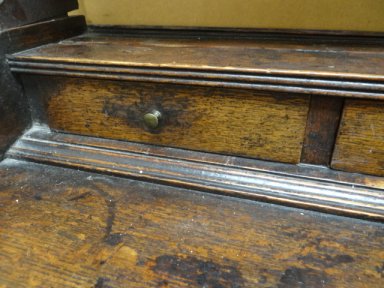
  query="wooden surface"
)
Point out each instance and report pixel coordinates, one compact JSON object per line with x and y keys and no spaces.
{"x":46,"y":139}
{"x":258,"y":62}
{"x":14,"y":112}
{"x":322,"y":124}
{"x":227,"y":55}
{"x":313,"y":188}
{"x":66,"y":228}
{"x":227,"y":121}
{"x":14,"y":13}
{"x":360,"y":143}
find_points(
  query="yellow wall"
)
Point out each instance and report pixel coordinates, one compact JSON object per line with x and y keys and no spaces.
{"x":363,"y":15}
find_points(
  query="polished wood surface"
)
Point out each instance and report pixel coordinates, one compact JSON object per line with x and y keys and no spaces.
{"x":227,"y":121}
{"x":360,"y":143}
{"x":14,"y":110}
{"x":16,"y":13}
{"x":67,"y":228}
{"x":227,"y":55}
{"x":258,"y":63}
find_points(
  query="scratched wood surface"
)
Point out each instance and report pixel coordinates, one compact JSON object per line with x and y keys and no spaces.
{"x":272,"y":57}
{"x":360,"y":143}
{"x":228,"y":121}
{"x":67,"y":228}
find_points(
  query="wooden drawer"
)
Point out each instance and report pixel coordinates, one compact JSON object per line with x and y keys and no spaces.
{"x":360,"y":143}
{"x":228,"y":121}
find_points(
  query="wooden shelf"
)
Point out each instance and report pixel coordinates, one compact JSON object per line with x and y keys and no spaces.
{"x":335,"y":69}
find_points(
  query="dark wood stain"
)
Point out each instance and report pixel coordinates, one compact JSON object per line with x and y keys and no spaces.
{"x":102,"y":283}
{"x":181,"y":238}
{"x":226,"y":121}
{"x":131,"y":114}
{"x":14,"y":110}
{"x":75,"y":198}
{"x":326,"y":260}
{"x":322,"y":124}
{"x":199,"y":273}
{"x":303,"y":278}
{"x":380,"y":269}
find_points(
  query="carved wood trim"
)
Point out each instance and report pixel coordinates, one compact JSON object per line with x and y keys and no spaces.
{"x":355,"y":88}
{"x":182,"y":168}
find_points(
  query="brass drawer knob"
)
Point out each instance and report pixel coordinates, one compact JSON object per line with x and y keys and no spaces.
{"x":152,"y":119}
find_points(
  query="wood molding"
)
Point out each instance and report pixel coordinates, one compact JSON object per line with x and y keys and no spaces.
{"x":205,"y":78}
{"x":272,"y":63}
{"x":289,"y":35}
{"x":218,"y":174}
{"x":276,"y":83}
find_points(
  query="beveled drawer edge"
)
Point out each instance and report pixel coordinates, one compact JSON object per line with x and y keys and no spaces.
{"x":43,"y":146}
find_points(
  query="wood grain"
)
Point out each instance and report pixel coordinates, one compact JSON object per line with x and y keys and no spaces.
{"x":264,"y":64}
{"x":41,"y":136}
{"x":322,"y":124}
{"x":14,"y":110}
{"x":234,"y":122}
{"x":14,"y":13}
{"x":360,"y":143}
{"x":66,"y":228}
{"x":324,"y":190}
{"x":228,"y":55}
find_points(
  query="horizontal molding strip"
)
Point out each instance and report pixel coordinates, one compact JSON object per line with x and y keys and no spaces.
{"x":292,"y":35}
{"x":43,"y":146}
{"x":369,"y":87}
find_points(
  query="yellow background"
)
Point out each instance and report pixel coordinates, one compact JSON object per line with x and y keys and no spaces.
{"x":363,"y":15}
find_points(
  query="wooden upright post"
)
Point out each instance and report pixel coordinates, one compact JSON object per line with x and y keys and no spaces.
{"x":25,"y":24}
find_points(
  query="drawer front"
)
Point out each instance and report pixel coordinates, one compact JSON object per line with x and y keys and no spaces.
{"x":360,"y":143}
{"x":229,"y":121}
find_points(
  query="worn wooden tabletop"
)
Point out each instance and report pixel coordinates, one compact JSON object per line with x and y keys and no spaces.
{"x":67,"y":228}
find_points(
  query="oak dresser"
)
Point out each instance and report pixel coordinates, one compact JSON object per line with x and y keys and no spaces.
{"x":188,"y":157}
